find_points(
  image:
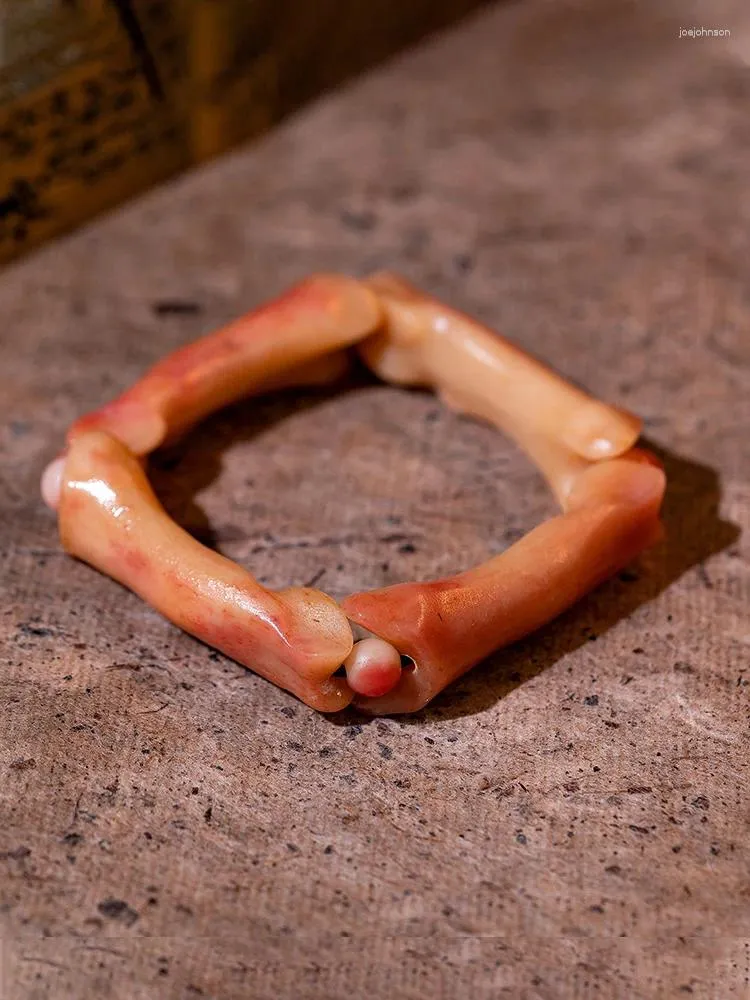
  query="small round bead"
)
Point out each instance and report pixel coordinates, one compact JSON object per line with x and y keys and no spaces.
{"x":373,"y":668}
{"x":52,"y":482}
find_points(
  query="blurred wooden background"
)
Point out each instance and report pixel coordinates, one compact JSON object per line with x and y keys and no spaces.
{"x":100,"y":99}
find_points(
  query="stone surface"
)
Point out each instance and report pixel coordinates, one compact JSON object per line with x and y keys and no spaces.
{"x":569,"y":821}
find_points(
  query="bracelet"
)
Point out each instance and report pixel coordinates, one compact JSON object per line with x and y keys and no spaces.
{"x":419,"y":636}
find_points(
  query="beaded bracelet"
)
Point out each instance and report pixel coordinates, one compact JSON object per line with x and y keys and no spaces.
{"x":415,"y":638}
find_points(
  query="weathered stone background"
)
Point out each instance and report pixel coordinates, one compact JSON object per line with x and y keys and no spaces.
{"x":571,"y":820}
